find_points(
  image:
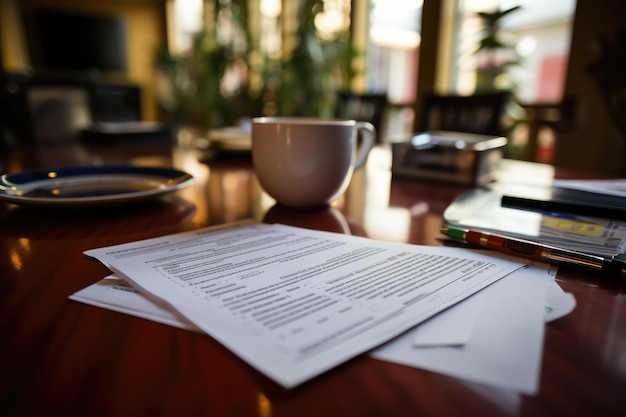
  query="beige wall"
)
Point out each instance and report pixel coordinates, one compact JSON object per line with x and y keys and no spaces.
{"x":590,"y":141}
{"x":146,"y":31}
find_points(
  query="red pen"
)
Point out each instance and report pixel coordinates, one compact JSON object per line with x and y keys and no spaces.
{"x":531,"y":250}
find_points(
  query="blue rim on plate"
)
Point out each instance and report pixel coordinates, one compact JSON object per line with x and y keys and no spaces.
{"x":90,"y":185}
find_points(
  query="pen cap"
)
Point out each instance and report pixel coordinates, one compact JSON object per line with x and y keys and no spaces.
{"x":454,"y":232}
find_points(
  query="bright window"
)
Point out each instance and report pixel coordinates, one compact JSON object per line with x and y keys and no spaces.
{"x":540,"y":32}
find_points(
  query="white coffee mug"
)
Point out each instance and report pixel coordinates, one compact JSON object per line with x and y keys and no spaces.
{"x":307,"y":162}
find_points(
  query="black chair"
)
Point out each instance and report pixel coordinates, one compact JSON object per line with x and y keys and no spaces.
{"x":37,"y":109}
{"x":478,"y":113}
{"x":369,"y":107}
{"x":15,"y":123}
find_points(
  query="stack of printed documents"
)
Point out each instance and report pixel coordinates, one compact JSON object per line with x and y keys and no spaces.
{"x":294,"y":303}
{"x":484,"y":209}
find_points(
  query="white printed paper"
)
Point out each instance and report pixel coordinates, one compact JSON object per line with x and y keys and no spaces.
{"x":505,"y":346}
{"x":293,"y":302}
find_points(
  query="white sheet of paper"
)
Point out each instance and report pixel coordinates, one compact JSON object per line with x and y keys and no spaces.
{"x":451,"y":327}
{"x":294,"y":302}
{"x":114,"y":294}
{"x":505,"y":346}
{"x":559,"y":303}
{"x":454,"y":326}
{"x":615,"y":187}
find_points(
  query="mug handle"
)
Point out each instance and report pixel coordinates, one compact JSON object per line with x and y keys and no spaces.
{"x":368,"y":138}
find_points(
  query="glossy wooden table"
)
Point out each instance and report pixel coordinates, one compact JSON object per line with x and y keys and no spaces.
{"x":60,"y":357}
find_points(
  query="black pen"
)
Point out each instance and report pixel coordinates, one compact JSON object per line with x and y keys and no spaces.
{"x":531,"y":250}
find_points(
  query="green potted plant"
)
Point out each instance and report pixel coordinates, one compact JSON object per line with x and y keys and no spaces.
{"x":227,"y":76}
{"x":495,"y":55}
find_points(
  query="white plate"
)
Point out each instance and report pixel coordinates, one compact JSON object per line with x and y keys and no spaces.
{"x":231,"y":139}
{"x":90,"y":186}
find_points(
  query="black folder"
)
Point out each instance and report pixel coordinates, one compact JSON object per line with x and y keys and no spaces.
{"x":570,"y":201}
